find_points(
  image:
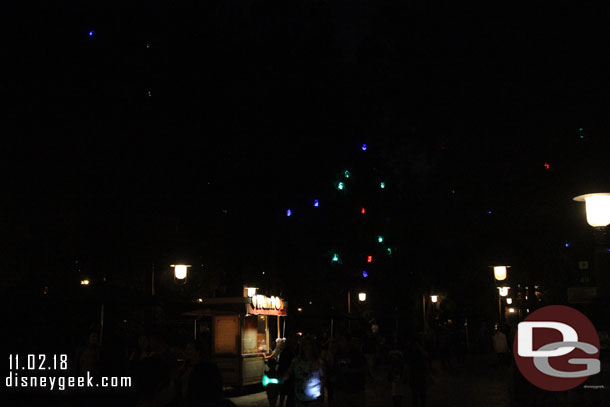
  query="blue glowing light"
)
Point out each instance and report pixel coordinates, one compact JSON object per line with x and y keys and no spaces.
{"x":335,"y":257}
{"x":313,"y":387}
{"x":489,"y":212}
{"x":567,"y":244}
{"x":365,"y":274}
{"x":91,"y":33}
{"x":316,"y":203}
{"x":288,"y":212}
{"x":364,"y":147}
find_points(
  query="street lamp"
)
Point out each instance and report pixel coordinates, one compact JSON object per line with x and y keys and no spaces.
{"x":84,"y":282}
{"x":180,"y":271}
{"x":500,"y":272}
{"x":251,"y":291}
{"x":362,"y":296}
{"x":503,"y":291}
{"x":434,"y":298}
{"x":597,"y":207}
{"x":509,"y":301}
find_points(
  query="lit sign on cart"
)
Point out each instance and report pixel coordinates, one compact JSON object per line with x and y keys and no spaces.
{"x":263,"y":305}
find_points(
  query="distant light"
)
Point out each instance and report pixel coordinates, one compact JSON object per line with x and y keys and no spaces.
{"x":91,"y":33}
{"x":503,"y":291}
{"x":316,"y":203}
{"x":509,"y":301}
{"x":547,"y":166}
{"x":362,"y":211}
{"x":340,"y":186}
{"x":389,"y":251}
{"x":364,"y":147}
{"x":310,"y":302}
{"x":147,"y":45}
{"x":200,"y":300}
{"x":149,"y":93}
{"x":369,"y":259}
{"x":511,"y":310}
{"x":361,"y":297}
{"x":382,"y":185}
{"x":84,"y":282}
{"x":347,"y":174}
{"x":251,"y":291}
{"x":489,"y":212}
{"x":567,"y":244}
{"x":380,"y":239}
{"x":288,"y":212}
{"x":434,"y":298}
{"x":335,"y":257}
{"x":300,"y":309}
{"x":365,"y":274}
{"x":527,"y":310}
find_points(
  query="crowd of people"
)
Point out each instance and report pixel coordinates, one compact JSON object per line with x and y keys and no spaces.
{"x":311,"y":370}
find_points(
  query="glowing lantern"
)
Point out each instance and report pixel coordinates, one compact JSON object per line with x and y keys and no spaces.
{"x":509,"y":301}
{"x":369,"y":259}
{"x":500,"y":273}
{"x":180,"y":271}
{"x":597,"y":207}
{"x":434,"y":298}
{"x":361,"y":297}
{"x":503,"y":291}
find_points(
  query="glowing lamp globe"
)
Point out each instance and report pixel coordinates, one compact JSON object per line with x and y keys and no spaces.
{"x":597,"y":207}
{"x":509,"y":301}
{"x":180,"y":271}
{"x":500,"y":273}
{"x":434,"y":298}
{"x":361,"y":297}
{"x":503,"y":291}
{"x":251,"y":291}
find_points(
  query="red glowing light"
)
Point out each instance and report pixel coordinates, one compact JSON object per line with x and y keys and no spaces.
{"x":363,"y":211}
{"x":547,"y":166}
{"x":369,"y":259}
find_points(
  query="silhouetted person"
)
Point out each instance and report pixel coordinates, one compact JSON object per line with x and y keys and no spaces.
{"x":500,"y":346}
{"x":350,"y":370}
{"x":88,"y":357}
{"x":202,"y":383}
{"x":307,"y":368}
{"x":417,"y":361}
{"x":285,"y":360}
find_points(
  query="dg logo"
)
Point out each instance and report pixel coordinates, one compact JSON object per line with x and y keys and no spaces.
{"x":557,"y":348}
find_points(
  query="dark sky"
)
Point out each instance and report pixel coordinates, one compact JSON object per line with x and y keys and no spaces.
{"x":254,"y":106}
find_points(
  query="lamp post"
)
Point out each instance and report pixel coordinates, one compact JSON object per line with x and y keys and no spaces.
{"x":502,"y":292}
{"x":597,"y":207}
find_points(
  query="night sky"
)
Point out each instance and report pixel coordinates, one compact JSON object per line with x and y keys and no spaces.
{"x":138,"y":135}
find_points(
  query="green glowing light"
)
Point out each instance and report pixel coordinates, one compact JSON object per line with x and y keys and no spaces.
{"x":389,"y":251}
{"x":267,"y":380}
{"x":382,"y":185}
{"x":347,"y":174}
{"x":340,"y":186}
{"x":335,"y":257}
{"x":380,"y":239}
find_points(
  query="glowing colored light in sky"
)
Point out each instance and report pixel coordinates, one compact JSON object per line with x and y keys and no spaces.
{"x":389,"y":250}
{"x":288,"y":212}
{"x":380,"y":239}
{"x":316,"y":203}
{"x":489,"y":212}
{"x":382,"y":185}
{"x":365,"y":274}
{"x":567,"y":244}
{"x":347,"y":174}
{"x":362,"y":211}
{"x":547,"y":166}
{"x":335,"y":257}
{"x":91,"y":33}
{"x":369,"y":259}
{"x":364,"y":147}
{"x":340,"y":186}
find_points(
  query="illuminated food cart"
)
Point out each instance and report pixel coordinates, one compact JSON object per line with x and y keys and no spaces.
{"x":240,"y":329}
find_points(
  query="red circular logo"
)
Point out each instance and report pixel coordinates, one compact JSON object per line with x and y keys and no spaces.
{"x":550,"y":338}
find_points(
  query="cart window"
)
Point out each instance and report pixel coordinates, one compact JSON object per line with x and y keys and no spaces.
{"x":254,"y":334}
